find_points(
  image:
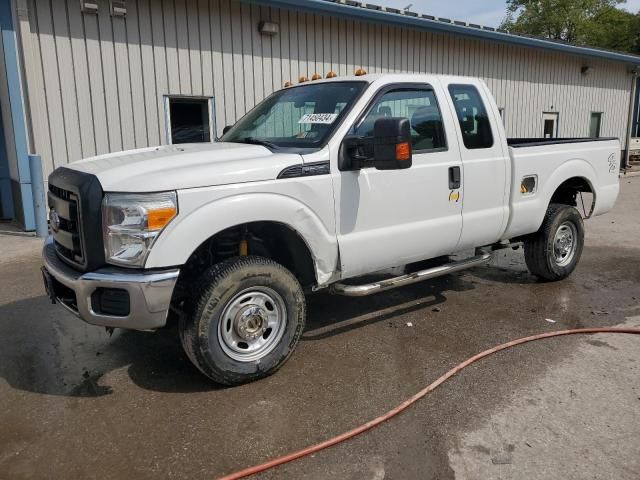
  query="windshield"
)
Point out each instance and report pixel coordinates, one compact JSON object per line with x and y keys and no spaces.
{"x":299,"y":117}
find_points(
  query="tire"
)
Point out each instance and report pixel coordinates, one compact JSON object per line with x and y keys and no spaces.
{"x":245,"y":320}
{"x":553,"y":252}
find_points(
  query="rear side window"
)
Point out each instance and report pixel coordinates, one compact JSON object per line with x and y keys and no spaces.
{"x":473,"y":118}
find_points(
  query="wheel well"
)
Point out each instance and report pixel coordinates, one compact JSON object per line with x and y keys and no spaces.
{"x":273,"y":240}
{"x":567,"y":193}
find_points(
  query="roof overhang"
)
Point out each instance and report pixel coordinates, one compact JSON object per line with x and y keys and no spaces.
{"x":364,"y":11}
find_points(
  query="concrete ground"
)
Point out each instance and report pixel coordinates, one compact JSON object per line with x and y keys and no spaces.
{"x":77,"y":403}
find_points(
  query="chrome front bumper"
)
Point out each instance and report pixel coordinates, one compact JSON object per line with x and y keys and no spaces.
{"x":149,"y":292}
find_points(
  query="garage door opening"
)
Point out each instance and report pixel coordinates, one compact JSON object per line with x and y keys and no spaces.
{"x":189,"y":120}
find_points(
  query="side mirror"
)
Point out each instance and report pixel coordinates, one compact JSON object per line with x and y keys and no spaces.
{"x":226,"y":129}
{"x":392,"y":143}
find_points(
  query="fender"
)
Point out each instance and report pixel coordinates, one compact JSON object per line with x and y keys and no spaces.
{"x":527,"y":213}
{"x":190,"y":229}
{"x":576,"y":167}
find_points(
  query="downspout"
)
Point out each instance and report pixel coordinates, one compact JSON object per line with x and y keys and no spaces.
{"x":632,"y":109}
{"x":38,"y":196}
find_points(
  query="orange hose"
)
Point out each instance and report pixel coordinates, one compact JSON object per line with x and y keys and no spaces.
{"x":410,"y":401}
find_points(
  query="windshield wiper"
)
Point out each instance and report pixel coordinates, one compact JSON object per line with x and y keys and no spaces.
{"x":257,"y":141}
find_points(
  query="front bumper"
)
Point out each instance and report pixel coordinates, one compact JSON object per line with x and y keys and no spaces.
{"x":149,"y":292}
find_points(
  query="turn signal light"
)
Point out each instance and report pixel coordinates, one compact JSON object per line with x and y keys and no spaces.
{"x":332,"y":75}
{"x":360,"y":72}
{"x":403,"y":151}
{"x":158,"y":218}
{"x":303,"y":79}
{"x":288,"y":84}
{"x":316,"y":76}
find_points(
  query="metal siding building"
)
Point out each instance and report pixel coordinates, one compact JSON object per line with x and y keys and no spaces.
{"x":92,"y":83}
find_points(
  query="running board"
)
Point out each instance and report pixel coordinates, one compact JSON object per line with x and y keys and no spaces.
{"x":408,"y":279}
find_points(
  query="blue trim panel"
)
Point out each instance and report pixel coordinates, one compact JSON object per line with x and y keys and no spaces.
{"x":329,"y":7}
{"x":6,"y":197}
{"x":17,"y":111}
{"x":635,"y":121}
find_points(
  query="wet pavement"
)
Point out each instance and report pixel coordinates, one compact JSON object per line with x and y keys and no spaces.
{"x":78,"y":403}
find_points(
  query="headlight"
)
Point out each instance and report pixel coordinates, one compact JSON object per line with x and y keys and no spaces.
{"x":131,"y":223}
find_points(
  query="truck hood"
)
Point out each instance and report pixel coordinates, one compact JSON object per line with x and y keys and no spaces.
{"x":176,"y":167}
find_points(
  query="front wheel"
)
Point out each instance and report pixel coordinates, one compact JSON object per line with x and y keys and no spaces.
{"x":553,"y":252}
{"x":246,"y":319}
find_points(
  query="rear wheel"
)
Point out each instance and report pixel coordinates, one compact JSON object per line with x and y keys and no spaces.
{"x":554,"y":251}
{"x":245,"y":320}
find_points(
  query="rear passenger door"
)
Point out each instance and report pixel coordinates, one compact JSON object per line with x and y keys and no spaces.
{"x":485,"y":162}
{"x":393,"y":217}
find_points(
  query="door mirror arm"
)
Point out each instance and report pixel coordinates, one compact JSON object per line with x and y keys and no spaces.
{"x":353,"y":153}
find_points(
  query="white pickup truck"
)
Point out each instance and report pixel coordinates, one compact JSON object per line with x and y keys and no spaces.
{"x":321,"y":182}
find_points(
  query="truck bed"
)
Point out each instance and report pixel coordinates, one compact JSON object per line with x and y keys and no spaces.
{"x":551,"y":161}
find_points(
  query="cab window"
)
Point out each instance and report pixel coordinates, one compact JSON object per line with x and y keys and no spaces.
{"x":419,"y":106}
{"x":472,"y":116}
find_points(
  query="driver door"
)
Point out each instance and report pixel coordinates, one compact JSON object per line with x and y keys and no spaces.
{"x":394,"y":217}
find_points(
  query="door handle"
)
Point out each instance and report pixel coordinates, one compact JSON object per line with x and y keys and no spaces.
{"x":454,"y":178}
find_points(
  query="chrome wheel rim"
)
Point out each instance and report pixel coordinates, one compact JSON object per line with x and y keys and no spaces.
{"x":252,"y":324}
{"x":565,"y":243}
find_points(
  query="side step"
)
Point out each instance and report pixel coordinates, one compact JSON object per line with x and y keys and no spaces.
{"x":408,"y":279}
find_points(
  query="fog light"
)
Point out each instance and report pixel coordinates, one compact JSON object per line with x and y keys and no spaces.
{"x":114,"y":302}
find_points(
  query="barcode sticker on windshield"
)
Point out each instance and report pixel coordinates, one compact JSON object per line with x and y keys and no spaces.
{"x":325,"y":118}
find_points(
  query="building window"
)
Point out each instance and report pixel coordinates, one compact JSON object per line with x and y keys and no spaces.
{"x":189,"y":120}
{"x":594,"y":125}
{"x":550,"y":125}
{"x":473,"y":118}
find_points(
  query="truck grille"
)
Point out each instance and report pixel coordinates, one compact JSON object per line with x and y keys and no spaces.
{"x":65,"y":224}
{"x":76,"y":199}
